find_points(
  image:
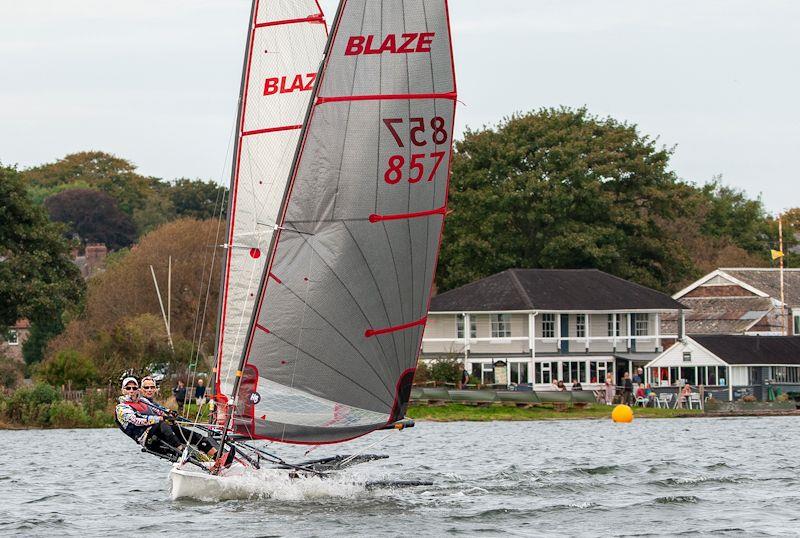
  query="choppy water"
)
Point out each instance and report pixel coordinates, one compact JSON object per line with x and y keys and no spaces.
{"x":734,"y":477}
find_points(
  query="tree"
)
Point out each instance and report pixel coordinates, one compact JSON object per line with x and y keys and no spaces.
{"x":559,"y":188}
{"x":142,"y":198}
{"x":196,"y":198}
{"x":730,"y":213}
{"x":125,"y":292}
{"x":92,"y":216}
{"x":41,"y":332}
{"x":37,"y":277}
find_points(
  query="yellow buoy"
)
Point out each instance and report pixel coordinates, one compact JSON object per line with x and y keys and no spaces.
{"x":622,"y":413}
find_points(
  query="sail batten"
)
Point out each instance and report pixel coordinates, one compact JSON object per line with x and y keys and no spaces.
{"x":333,"y":343}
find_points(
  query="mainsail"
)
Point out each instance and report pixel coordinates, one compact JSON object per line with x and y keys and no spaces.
{"x":343,"y":299}
{"x":286,"y":39}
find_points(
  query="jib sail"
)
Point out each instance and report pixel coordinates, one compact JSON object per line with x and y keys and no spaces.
{"x":286,"y":39}
{"x":343,"y":301}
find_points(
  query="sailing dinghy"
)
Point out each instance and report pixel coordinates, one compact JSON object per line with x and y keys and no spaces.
{"x":337,"y":203}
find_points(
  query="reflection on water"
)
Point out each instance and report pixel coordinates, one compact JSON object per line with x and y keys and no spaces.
{"x":652,"y":477}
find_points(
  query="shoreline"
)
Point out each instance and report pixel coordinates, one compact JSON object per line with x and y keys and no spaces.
{"x":452,"y":412}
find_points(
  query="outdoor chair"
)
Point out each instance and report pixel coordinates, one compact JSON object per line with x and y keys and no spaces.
{"x":642,"y":401}
{"x":664,"y":400}
{"x":694,"y":399}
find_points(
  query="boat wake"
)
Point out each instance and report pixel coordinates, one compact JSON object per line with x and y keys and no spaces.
{"x":262,"y":484}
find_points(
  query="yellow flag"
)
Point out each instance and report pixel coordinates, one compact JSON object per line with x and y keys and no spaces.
{"x":776,"y":254}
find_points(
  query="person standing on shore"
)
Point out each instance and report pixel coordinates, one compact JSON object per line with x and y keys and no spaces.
{"x":609,"y":388}
{"x":180,"y":395}
{"x":200,"y":393}
{"x":627,"y":389}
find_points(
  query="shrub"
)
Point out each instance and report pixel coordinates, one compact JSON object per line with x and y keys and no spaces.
{"x":31,"y":406}
{"x":95,"y":400}
{"x":10,"y":372}
{"x":782,"y":398}
{"x":64,"y":414}
{"x":423,"y":373}
{"x":68,"y":367}
{"x":749,"y":398}
{"x":445,"y":370}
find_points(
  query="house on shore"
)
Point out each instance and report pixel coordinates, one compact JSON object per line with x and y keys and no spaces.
{"x":11,"y":341}
{"x":731,"y":363}
{"x":534,"y":326}
{"x":740,"y":301}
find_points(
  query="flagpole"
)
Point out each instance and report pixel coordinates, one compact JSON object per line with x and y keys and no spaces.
{"x":780,"y":248}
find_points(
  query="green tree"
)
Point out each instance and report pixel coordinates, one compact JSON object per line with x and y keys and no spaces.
{"x":559,"y":188}
{"x":732,"y":214}
{"x":143,"y":198}
{"x":37,"y":278}
{"x":41,"y":332}
{"x":68,"y":367}
{"x":93,"y":216}
{"x":196,"y":198}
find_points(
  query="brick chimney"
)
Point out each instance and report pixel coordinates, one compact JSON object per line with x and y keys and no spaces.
{"x":95,"y":257}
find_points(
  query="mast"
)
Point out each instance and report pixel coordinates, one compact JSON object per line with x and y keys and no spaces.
{"x":784,"y":325}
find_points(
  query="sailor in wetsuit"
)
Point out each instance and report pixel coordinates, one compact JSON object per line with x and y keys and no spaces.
{"x":154,"y":427}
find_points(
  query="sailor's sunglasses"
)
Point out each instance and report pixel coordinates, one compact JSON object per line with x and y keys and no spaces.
{"x":149,"y":387}
{"x":131,"y":387}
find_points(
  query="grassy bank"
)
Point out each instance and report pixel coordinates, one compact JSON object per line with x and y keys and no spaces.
{"x":459,"y":412}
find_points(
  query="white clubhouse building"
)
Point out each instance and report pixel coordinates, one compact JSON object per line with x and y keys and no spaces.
{"x":534,"y":326}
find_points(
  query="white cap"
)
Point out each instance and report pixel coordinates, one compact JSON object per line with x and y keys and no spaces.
{"x":128,"y":380}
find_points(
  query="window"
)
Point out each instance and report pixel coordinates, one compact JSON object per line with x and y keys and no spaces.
{"x":580,"y":325}
{"x":13,"y":337}
{"x":613,"y":325}
{"x":501,"y":325}
{"x":542,"y":372}
{"x":519,"y":372}
{"x":574,"y":370}
{"x":641,"y":324}
{"x":473,"y":326}
{"x":598,"y":371}
{"x":797,"y":325}
{"x":484,"y":372}
{"x":548,"y":325}
{"x":786,"y":374}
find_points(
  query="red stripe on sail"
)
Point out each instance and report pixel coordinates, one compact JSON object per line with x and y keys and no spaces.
{"x":310,"y":18}
{"x":276,"y":279}
{"x":404,"y":326}
{"x":385,"y":97}
{"x":399,"y":216}
{"x":272,"y":130}
{"x":262,"y":328}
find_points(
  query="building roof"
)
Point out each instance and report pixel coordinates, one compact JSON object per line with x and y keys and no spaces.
{"x":769,"y":281}
{"x":740,"y":349}
{"x":717,"y":315}
{"x":552,"y":289}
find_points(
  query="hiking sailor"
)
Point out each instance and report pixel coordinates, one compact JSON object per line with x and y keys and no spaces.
{"x":155,"y":429}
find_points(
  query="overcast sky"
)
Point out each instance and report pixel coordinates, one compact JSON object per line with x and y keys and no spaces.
{"x":156,"y":81}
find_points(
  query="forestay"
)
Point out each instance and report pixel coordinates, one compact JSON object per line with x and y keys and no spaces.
{"x":286,"y":39}
{"x":333,"y":346}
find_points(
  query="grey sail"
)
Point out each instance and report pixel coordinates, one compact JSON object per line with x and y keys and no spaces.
{"x":335,"y":337}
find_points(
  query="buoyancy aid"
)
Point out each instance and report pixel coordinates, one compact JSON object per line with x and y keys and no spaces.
{"x":142,"y":410}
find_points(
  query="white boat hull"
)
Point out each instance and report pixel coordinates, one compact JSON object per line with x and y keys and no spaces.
{"x":188,"y":482}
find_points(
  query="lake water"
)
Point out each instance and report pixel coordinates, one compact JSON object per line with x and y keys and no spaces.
{"x":727,"y":476}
